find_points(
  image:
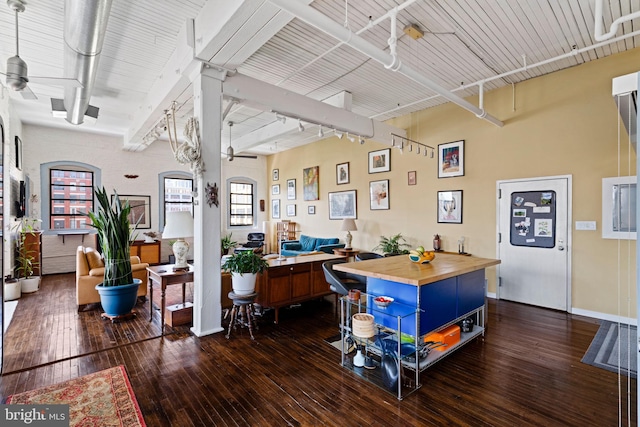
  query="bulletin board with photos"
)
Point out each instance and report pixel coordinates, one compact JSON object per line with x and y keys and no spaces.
{"x":533,"y":219}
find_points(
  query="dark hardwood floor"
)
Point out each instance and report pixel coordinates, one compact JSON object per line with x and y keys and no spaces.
{"x":527,"y":370}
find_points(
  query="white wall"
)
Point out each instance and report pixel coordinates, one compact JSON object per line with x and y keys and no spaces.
{"x":43,"y":145}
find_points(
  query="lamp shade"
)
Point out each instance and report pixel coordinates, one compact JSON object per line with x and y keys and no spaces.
{"x":178,"y":225}
{"x":348,"y":225}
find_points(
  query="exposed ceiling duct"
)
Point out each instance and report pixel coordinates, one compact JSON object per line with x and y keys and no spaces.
{"x":85,"y":23}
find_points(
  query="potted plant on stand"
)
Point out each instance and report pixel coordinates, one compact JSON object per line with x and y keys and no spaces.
{"x":26,"y":256}
{"x":118,"y":292}
{"x":244,"y":268}
{"x":393,"y":245}
{"x":227,"y":243}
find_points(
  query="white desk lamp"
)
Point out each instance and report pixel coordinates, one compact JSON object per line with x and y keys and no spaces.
{"x":178,"y":226}
{"x":348,"y":225}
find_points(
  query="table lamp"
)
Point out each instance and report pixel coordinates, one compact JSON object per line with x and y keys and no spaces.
{"x":178,"y":226}
{"x":348,"y":225}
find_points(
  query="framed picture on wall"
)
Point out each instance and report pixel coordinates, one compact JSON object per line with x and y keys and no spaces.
{"x":311,"y":210}
{"x":380,"y":161}
{"x":451,"y":159}
{"x":342,"y":204}
{"x":310,"y":182}
{"x":291,"y":210}
{"x":275,"y":189}
{"x":140,"y":209}
{"x":275,"y":208}
{"x":342,"y":173}
{"x":275,"y":175}
{"x":291,"y":189}
{"x":450,"y":206}
{"x":379,"y":194}
{"x":411,"y":177}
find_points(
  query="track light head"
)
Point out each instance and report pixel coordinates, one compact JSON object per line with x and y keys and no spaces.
{"x":280,"y":118}
{"x":350,"y":138}
{"x":300,"y":127}
{"x":361,"y":141}
{"x":432,"y":154}
{"x":339,"y":134}
{"x":320,"y":132}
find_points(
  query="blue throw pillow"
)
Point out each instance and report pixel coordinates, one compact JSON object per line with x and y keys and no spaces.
{"x":307,"y":243}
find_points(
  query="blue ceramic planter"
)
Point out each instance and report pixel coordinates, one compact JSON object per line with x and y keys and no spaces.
{"x":118,"y":300}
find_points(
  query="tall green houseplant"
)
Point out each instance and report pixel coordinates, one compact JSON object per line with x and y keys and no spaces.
{"x":112,"y":223}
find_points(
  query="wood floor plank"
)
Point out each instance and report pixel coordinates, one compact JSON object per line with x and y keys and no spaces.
{"x":526,"y":371}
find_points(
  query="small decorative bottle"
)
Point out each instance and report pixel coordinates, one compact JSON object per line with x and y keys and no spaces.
{"x":436,"y":242}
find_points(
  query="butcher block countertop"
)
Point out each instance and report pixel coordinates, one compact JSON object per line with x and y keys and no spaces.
{"x":401,"y":269}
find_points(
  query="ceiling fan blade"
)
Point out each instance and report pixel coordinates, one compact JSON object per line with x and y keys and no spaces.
{"x":246,"y":156}
{"x":56,"y":81}
{"x":27,"y":93}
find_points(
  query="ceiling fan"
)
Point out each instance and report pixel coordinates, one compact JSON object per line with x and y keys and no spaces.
{"x":16,"y":73}
{"x":230,"y":153}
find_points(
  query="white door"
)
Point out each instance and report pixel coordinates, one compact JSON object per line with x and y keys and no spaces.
{"x":534,"y":242}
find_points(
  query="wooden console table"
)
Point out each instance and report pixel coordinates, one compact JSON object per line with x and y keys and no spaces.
{"x":293,"y":280}
{"x":164,"y":276}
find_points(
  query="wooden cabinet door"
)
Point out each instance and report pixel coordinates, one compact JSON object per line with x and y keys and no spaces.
{"x":301,"y":281}
{"x":319,"y":283}
{"x":276,"y":285}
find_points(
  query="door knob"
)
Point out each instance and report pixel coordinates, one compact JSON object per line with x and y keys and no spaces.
{"x":560,"y":245}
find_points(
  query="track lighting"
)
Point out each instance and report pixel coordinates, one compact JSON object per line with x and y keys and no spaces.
{"x":361,"y":141}
{"x":281,"y":119}
{"x":300,"y":127}
{"x":410,"y":143}
{"x":351,"y":138}
{"x":339,"y":134}
{"x":320,"y":132}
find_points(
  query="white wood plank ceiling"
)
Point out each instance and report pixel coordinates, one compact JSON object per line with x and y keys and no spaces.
{"x":465,"y":41}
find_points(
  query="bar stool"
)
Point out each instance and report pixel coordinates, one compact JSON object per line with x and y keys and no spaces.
{"x":244,"y":305}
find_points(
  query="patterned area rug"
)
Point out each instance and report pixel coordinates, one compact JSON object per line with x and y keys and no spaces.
{"x":103,"y":398}
{"x":610,"y":349}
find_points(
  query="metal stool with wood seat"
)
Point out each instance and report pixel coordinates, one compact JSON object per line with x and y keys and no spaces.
{"x":242,"y":304}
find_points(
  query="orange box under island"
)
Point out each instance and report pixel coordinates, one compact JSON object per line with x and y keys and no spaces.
{"x":448,"y":336}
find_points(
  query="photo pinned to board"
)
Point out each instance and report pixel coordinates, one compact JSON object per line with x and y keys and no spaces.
{"x":543,"y":227}
{"x":523,"y":226}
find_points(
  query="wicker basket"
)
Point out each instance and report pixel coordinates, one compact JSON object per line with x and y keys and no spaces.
{"x":362,"y":325}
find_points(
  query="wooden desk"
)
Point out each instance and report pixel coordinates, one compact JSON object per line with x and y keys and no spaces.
{"x":348,"y":253}
{"x":293,"y":280}
{"x":164,"y":276}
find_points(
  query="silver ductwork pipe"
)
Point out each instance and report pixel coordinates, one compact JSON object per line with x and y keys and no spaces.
{"x":85,"y":23}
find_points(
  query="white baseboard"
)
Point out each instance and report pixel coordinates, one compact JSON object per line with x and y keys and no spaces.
{"x":604,"y":316}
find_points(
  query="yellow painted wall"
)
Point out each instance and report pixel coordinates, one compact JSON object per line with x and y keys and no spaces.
{"x":564,"y":123}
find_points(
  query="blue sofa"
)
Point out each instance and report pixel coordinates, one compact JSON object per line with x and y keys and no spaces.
{"x":308,"y":244}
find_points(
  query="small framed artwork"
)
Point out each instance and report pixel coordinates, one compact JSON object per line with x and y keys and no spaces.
{"x":451,"y":159}
{"x":342,"y":205}
{"x":275,"y":189}
{"x":311,"y":210}
{"x":379,"y":194}
{"x":291,"y":210}
{"x":310,"y":183}
{"x":291,"y":189}
{"x":342,"y":173}
{"x":140,"y":210}
{"x":275,"y":208}
{"x":275,"y":175}
{"x":411,"y":177}
{"x":450,"y":206}
{"x":380,"y":161}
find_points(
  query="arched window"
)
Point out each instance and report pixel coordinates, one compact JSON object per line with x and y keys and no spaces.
{"x":176,"y":193}
{"x":67,"y":194}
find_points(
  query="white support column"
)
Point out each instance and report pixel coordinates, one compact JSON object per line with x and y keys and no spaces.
{"x":207,"y":311}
